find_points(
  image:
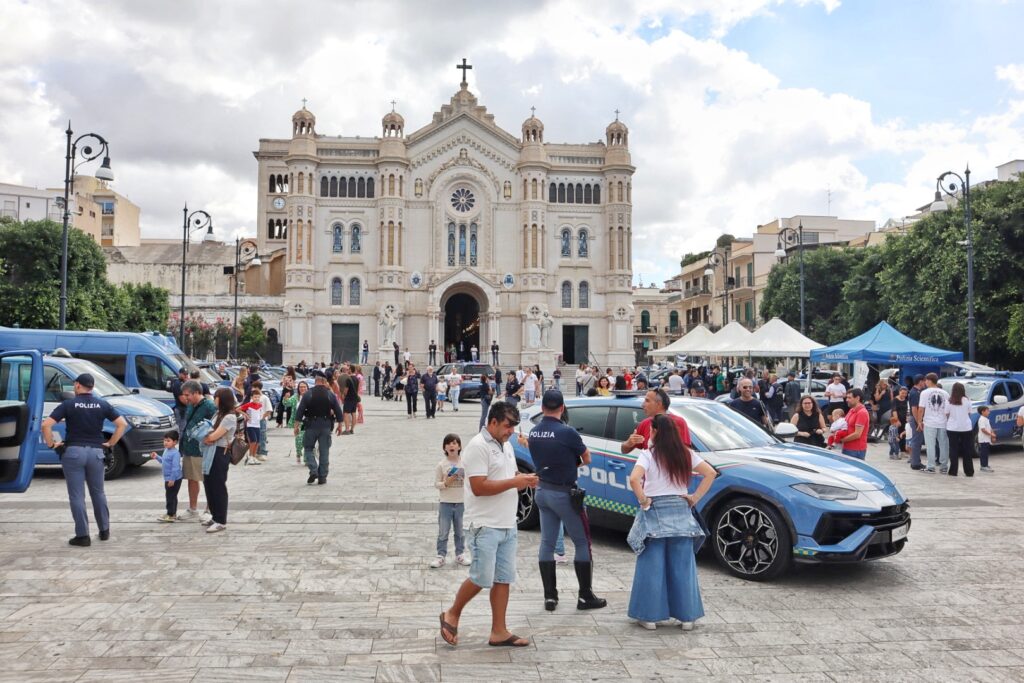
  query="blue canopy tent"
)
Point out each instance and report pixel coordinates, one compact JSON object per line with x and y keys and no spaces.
{"x":884,"y":344}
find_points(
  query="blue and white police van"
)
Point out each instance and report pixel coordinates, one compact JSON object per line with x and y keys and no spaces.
{"x":1002,"y":392}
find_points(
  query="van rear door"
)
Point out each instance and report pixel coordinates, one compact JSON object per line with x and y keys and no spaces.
{"x":21,"y":414}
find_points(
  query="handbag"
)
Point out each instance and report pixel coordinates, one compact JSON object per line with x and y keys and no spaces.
{"x":576,"y":497}
{"x":239,"y":447}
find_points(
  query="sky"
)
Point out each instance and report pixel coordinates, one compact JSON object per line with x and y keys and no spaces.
{"x":739,"y":111}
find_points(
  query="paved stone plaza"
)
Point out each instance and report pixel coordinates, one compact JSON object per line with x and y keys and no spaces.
{"x":331,"y":583}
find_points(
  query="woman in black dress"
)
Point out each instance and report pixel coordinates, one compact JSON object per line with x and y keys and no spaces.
{"x":810,"y":423}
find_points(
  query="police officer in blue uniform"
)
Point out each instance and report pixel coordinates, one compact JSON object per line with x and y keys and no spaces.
{"x":558,"y":451}
{"x":82,"y":460}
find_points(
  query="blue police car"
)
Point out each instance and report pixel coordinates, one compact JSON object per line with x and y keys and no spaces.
{"x":1002,"y":392}
{"x":773,"y":503}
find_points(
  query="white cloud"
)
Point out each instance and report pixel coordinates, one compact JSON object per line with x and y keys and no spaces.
{"x":1013,"y":74}
{"x":184,"y":91}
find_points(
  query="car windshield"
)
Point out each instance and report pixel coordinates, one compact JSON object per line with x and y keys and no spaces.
{"x":185,"y":361}
{"x":275,"y":373}
{"x":106,"y":385}
{"x":719,"y":428}
{"x":208,"y":375}
{"x":976,"y":391}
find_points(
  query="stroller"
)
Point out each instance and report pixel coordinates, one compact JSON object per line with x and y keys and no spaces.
{"x":387,"y":392}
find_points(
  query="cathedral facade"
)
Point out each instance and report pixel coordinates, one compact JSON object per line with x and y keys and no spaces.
{"x":459,"y":233}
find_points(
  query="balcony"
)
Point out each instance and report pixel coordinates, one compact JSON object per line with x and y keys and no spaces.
{"x":742,"y":283}
{"x":689,"y":292}
{"x":649,"y":329}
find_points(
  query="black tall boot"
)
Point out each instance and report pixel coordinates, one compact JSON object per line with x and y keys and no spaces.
{"x":585,"y":575}
{"x":547,"y":575}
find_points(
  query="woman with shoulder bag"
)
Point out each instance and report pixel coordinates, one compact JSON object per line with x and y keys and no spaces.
{"x":666,"y":534}
{"x":215,"y":481}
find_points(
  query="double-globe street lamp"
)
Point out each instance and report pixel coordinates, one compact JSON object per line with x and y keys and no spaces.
{"x":102,"y":173}
{"x":720,"y":258}
{"x":246,"y":253}
{"x":953,"y":185}
{"x":192,"y":222}
{"x":789,"y":236}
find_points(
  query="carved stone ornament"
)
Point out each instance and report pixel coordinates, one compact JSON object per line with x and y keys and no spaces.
{"x":465,"y":161}
{"x":508,"y":281}
{"x":416,"y":280}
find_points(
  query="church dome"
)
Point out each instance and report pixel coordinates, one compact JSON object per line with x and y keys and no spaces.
{"x":303,"y":121}
{"x":533,"y":129}
{"x":616,"y":132}
{"x":393,"y":124}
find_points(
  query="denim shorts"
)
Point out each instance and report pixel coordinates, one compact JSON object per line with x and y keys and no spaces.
{"x":493,"y":554}
{"x":855,"y":454}
{"x":252,"y":434}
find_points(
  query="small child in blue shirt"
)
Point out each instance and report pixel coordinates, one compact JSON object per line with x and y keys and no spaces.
{"x":171,"y":461}
{"x":894,"y":436}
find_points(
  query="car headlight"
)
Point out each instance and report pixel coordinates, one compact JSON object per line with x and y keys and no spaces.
{"x":143,"y":421}
{"x":826,"y":492}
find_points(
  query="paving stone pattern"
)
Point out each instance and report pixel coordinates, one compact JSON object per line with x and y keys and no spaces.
{"x":330,"y":583}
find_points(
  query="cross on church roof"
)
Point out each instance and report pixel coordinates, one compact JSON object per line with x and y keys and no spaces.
{"x":533,"y":111}
{"x":616,"y":114}
{"x":393,"y":105}
{"x":303,"y":102}
{"x":465,"y":67}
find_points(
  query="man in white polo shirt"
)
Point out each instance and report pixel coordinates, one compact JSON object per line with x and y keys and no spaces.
{"x":492,"y":497}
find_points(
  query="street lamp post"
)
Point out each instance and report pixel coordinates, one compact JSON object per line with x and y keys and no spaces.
{"x":789,"y":236}
{"x":952,"y":184}
{"x":192,"y":222}
{"x":720,"y":258}
{"x":245,"y":254}
{"x":102,"y":173}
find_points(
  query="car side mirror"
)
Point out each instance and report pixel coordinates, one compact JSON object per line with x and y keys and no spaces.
{"x":135,"y":390}
{"x":785,"y":430}
{"x":999,"y":400}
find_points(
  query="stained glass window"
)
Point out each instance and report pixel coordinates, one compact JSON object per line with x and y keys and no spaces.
{"x":463,"y":200}
{"x":354,"y":292}
{"x":357,"y":238}
{"x":472,"y":244}
{"x":583,"y":248}
{"x":337,"y":246}
{"x":566,"y":243}
{"x":462,"y":244}
{"x":584,"y":295}
{"x":566,"y":294}
{"x":451,"y":244}
{"x":336,"y":292}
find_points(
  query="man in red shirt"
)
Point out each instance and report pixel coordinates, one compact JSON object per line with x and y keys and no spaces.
{"x":656,"y":402}
{"x":859,"y":422}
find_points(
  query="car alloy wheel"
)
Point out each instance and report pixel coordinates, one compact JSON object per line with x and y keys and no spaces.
{"x":751,"y":540}
{"x":527,"y":515}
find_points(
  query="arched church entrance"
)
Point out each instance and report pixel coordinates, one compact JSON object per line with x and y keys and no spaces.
{"x":462,"y":324}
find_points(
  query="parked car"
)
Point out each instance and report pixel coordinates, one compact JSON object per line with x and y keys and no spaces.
{"x":773,"y":503}
{"x":148,"y":419}
{"x":470,"y":372}
{"x":1002,"y":392}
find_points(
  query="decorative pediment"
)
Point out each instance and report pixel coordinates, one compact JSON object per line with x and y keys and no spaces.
{"x":463,"y":160}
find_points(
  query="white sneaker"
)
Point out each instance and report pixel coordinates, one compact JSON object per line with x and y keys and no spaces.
{"x":214,"y":528}
{"x":649,"y":625}
{"x":463,"y":559}
{"x":561,"y":559}
{"x":206,"y":522}
{"x":437,"y":562}
{"x":191,"y":512}
{"x":686,"y":625}
{"x":987,"y":469}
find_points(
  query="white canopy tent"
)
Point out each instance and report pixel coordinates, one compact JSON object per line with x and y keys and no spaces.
{"x":774,"y":339}
{"x":687,"y":345}
{"x":728,"y":341}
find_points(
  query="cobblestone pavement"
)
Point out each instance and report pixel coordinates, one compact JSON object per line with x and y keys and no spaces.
{"x":330,"y":583}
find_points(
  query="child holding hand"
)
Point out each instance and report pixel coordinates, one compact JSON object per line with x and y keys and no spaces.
{"x":895,"y":434}
{"x":171,"y":462}
{"x":449,"y":480}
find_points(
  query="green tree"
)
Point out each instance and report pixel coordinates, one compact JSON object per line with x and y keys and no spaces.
{"x":252,"y":334}
{"x":691,"y":257}
{"x":30,"y":283}
{"x":825,"y":275}
{"x":148,"y":307}
{"x":724,"y":240}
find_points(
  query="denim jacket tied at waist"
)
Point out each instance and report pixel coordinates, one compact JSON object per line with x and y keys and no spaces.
{"x":668,"y":517}
{"x":199,"y":432}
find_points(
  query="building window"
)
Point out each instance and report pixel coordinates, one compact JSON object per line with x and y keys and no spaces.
{"x":597,"y":194}
{"x":357,"y":239}
{"x":361,"y":192}
{"x":462,"y":200}
{"x":587,"y":196}
{"x":336,"y":292}
{"x":369,"y":188}
{"x":583,"y":247}
{"x":579,"y":193}
{"x":462,"y":244}
{"x":561,"y":193}
{"x":552,"y":193}
{"x":324,"y":184}
{"x":354,"y":291}
{"x":472,"y":244}
{"x":566,"y":294}
{"x":584,"y":295}
{"x":566,"y":243}
{"x":351,"y":187}
{"x":645,"y":321}
{"x":673,"y":320}
{"x":337,"y":244}
{"x":451,"y":244}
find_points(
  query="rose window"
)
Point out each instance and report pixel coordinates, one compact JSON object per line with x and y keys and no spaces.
{"x":463,"y":200}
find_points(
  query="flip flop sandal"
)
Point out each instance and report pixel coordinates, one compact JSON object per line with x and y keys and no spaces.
{"x":448,"y":628}
{"x":510,"y":642}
